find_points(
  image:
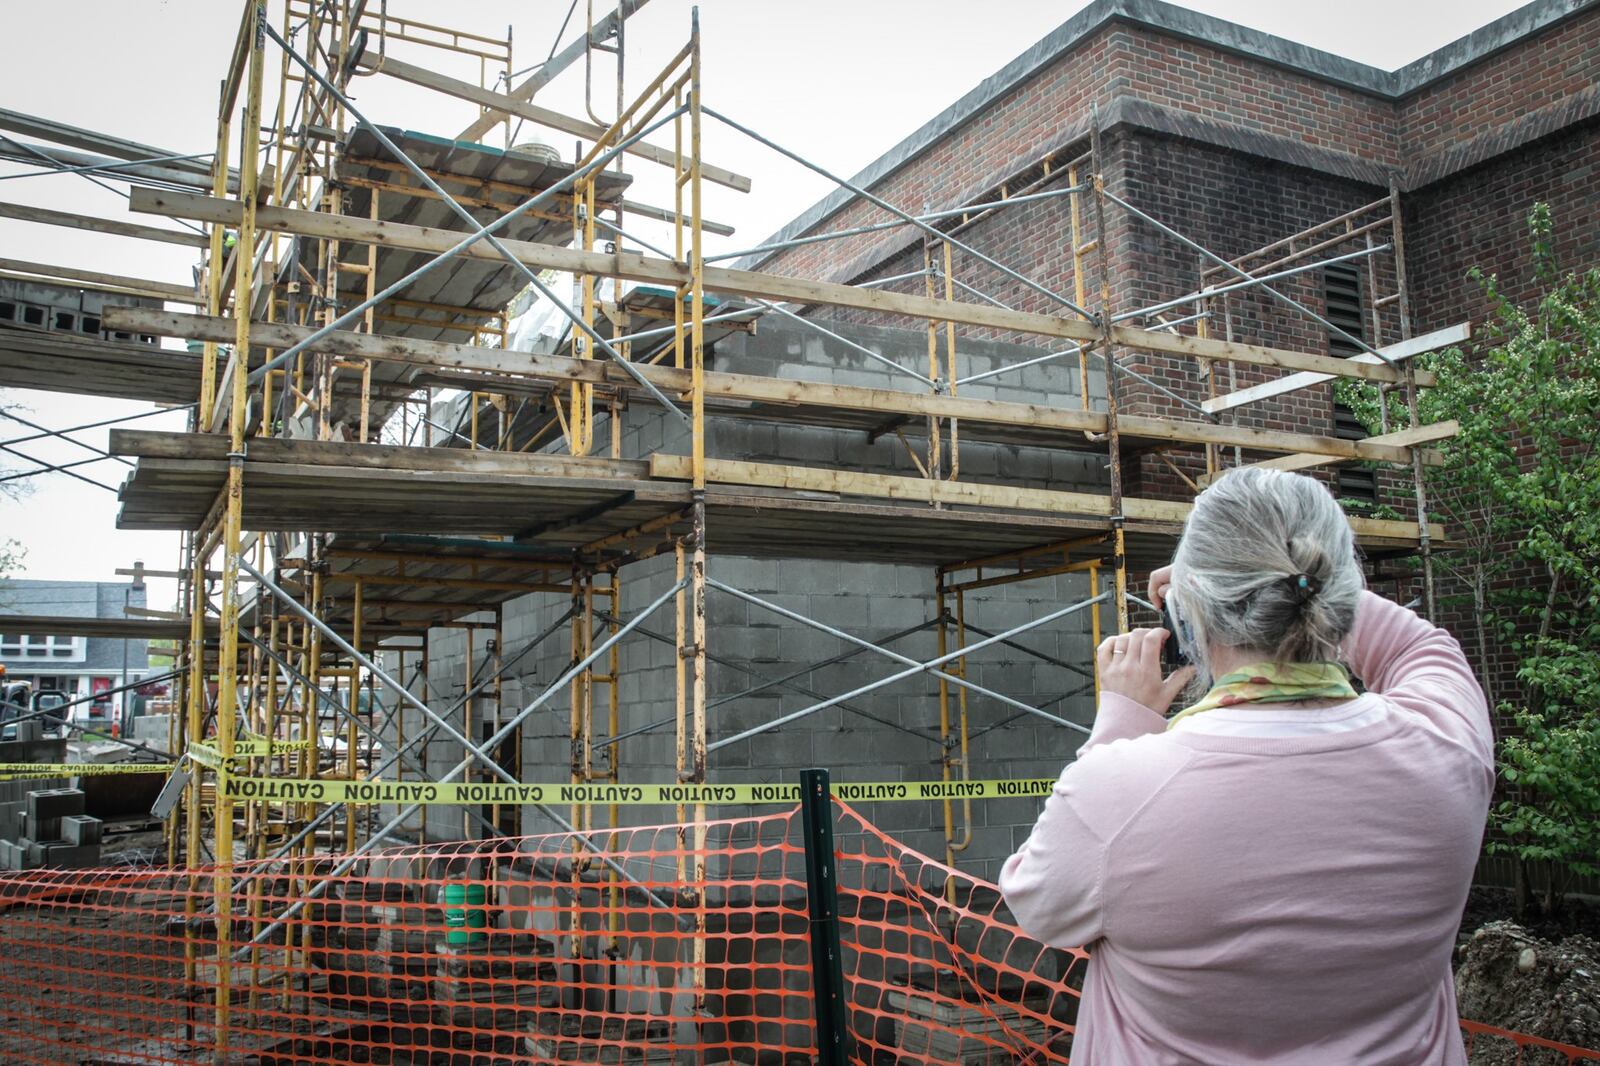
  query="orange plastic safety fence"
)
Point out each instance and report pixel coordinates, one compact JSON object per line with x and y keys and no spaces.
{"x":468,"y":954}
{"x":663,"y":944}
{"x":937,"y":972}
{"x":1489,"y":1044}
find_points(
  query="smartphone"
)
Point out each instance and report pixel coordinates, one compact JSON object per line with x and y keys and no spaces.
{"x":1172,"y":655}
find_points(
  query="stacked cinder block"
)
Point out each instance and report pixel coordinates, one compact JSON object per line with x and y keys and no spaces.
{"x":48,"y":830}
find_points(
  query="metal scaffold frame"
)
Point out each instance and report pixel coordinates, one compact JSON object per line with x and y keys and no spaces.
{"x":300,"y":368}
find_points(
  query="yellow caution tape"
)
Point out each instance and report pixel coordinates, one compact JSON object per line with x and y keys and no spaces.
{"x":253,"y":746}
{"x":209,"y":754}
{"x":22,"y":771}
{"x":494,"y":793}
{"x":206,"y":754}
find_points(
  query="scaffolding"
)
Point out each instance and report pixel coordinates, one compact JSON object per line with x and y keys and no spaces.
{"x":354,"y":273}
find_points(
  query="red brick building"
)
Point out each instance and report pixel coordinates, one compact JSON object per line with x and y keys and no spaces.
{"x":1238,"y":139}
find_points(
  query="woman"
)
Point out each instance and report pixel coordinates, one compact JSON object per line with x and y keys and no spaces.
{"x":1275,"y":874}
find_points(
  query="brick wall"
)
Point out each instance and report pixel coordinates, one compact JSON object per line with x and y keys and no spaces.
{"x":1560,"y":62}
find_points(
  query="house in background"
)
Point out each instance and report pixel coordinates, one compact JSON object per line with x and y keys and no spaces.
{"x":73,"y":664}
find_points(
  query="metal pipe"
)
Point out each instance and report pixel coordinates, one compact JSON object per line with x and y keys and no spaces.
{"x":786,"y":682}
{"x":620,"y":232}
{"x":35,"y":150}
{"x":504,"y":731}
{"x":90,"y":425}
{"x":814,"y":667}
{"x":926,"y":216}
{"x":1080,"y":690}
{"x":1074,"y":350}
{"x":470,"y":239}
{"x":54,"y":468}
{"x":483,"y":232}
{"x":867,"y":645}
{"x":63,"y":435}
{"x":102,"y":167}
{"x":885,"y":205}
{"x":1174,"y":323}
{"x":1261,"y":279}
{"x":662,"y":331}
{"x":1051,"y":659}
{"x":423,"y":736}
{"x":958,"y":283}
{"x":868,"y":352}
{"x":373,"y":668}
{"x":931,"y":666}
{"x":1214,"y":257}
{"x":59,"y":468}
{"x":875,"y":282}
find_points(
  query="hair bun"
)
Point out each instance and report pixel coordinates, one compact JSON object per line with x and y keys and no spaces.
{"x":1302,"y":586}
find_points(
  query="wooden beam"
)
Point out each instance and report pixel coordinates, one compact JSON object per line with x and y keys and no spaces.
{"x":176,"y":293}
{"x":1405,"y":438}
{"x":47,"y":217}
{"x":519,"y":193}
{"x":93,"y":141}
{"x":926,"y":490}
{"x":158,"y":444}
{"x":547,"y":73}
{"x":465,"y":90}
{"x":636,"y":267}
{"x":1428,"y":342}
{"x":750,"y":388}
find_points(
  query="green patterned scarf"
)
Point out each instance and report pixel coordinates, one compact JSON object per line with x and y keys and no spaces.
{"x":1273,"y":683}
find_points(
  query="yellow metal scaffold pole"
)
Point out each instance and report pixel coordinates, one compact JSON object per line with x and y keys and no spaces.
{"x":255,"y":15}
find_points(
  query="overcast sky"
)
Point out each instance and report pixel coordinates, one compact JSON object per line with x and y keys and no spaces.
{"x":838,"y":81}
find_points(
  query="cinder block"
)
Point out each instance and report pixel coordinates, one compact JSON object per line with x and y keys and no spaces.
{"x":71,"y":856}
{"x":40,"y":828}
{"x":81,"y":829}
{"x":16,"y":855}
{"x":54,"y":803}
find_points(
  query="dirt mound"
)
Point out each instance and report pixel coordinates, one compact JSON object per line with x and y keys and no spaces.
{"x":1508,"y":977}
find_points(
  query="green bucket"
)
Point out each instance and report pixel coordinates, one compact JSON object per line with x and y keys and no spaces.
{"x":464,"y":915}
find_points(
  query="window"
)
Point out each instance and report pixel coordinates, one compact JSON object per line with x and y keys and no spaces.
{"x":34,"y":646}
{"x":1341,"y":283}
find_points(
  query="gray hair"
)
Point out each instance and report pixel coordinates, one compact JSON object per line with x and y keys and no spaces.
{"x":1236,"y":574}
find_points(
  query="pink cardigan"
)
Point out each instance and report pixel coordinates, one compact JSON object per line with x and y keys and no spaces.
{"x":1272,"y":900}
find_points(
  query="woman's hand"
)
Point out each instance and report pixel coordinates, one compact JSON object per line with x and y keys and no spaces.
{"x":1160,"y":581}
{"x":1130,"y":666}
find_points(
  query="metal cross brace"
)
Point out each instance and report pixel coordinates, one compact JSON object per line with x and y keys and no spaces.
{"x":786,"y":681}
{"x":914,"y":667}
{"x":504,"y":731}
{"x":904,"y":216}
{"x":483,"y":232}
{"x":848,"y":343}
{"x":1215,"y":258}
{"x":425,"y":735}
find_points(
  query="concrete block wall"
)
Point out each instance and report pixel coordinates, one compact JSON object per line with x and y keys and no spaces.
{"x":889,"y":734}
